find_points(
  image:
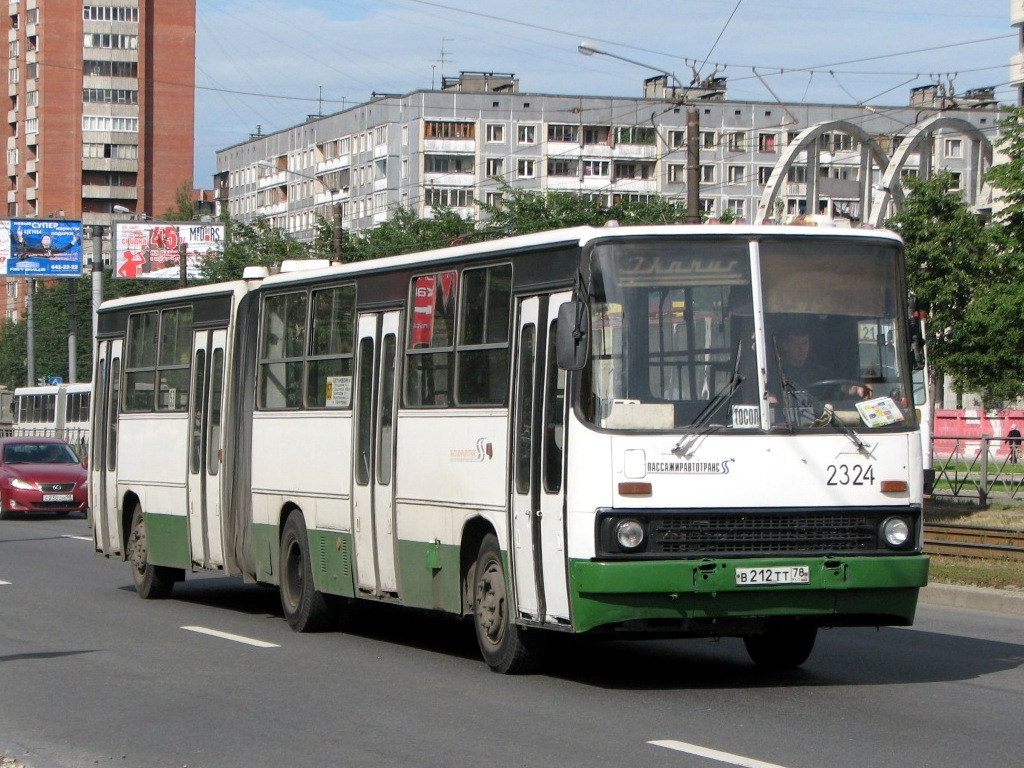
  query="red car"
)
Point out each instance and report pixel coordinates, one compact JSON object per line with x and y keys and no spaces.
{"x":41,"y":475}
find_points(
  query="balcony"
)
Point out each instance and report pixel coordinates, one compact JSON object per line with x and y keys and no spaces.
{"x":1017,"y":69}
{"x":1016,"y":12}
{"x":100,"y":192}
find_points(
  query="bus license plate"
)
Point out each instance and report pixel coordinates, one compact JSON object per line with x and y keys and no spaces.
{"x":771,"y":575}
{"x":58,"y":497}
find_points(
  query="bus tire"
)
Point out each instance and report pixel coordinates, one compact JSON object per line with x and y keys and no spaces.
{"x":151,"y":581}
{"x":305,"y":609}
{"x":506,"y":647}
{"x":782,"y":645}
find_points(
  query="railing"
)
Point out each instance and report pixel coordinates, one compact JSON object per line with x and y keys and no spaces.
{"x":982,"y":467}
{"x":77,"y":438}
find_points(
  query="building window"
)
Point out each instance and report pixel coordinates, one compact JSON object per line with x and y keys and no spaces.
{"x":563,"y":168}
{"x":449,"y":197}
{"x":526,"y":134}
{"x":676,"y":139}
{"x":116,"y":42}
{"x":707,"y":174}
{"x":766,"y":142}
{"x":446,"y":129}
{"x":526,"y":169}
{"x":797,"y":174}
{"x":564,"y":133}
{"x":635,"y":134}
{"x":953,"y":148}
{"x":493,"y":198}
{"x":764,"y":173}
{"x":677,"y":173}
{"x":735,"y":207}
{"x":734,"y":142}
{"x":595,"y":134}
{"x":707,"y":139}
{"x":495,"y":167}
{"x":495,"y":133}
{"x":595,"y":167}
{"x":735,"y":174}
{"x":448,"y":164}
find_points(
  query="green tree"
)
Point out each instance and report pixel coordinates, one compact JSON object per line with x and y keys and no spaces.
{"x":184,"y":208}
{"x":950,"y":255}
{"x":253,"y":244}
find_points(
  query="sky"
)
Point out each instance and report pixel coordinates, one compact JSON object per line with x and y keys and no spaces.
{"x":265,"y":66}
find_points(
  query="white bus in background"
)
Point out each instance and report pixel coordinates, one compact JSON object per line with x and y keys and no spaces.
{"x":588,"y":430}
{"x":54,"y":410}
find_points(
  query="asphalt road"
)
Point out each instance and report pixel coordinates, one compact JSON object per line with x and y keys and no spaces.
{"x":90,"y":675}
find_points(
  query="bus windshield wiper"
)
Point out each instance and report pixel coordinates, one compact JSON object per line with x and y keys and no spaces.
{"x":721,"y":397}
{"x":828,"y":416}
{"x":789,"y":395}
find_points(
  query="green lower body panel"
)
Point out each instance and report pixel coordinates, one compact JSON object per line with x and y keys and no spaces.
{"x":846,"y":591}
{"x":167,"y":540}
{"x":330,"y":558}
{"x":430,"y":575}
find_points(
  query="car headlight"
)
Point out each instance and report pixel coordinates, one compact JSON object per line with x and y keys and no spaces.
{"x":895,"y":531}
{"x":629,"y":534}
{"x":17,"y":482}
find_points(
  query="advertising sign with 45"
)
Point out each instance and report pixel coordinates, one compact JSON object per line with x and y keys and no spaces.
{"x":850,"y":474}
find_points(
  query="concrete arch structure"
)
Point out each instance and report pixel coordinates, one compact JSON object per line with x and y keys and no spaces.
{"x":977,"y":160}
{"x":871,"y":153}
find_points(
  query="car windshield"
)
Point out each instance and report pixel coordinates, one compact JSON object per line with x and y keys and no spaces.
{"x":39,"y":453}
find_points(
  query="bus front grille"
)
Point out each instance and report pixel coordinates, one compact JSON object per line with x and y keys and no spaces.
{"x":752,"y":533}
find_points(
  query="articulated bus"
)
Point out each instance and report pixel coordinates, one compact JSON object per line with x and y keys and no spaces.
{"x":54,"y":410}
{"x":590,"y":430}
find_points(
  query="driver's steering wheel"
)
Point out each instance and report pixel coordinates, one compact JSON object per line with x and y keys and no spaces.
{"x":820,"y":388}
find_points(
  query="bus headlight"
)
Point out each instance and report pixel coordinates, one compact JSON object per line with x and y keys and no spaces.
{"x":629,"y":534}
{"x":895,"y":531}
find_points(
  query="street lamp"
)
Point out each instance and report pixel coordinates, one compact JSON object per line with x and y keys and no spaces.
{"x":692,"y":131}
{"x":335,"y":208}
{"x":587,"y":49}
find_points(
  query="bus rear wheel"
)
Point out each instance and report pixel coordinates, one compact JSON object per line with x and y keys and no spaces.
{"x":782,"y":645}
{"x":151,"y":581}
{"x":305,"y":609}
{"x":507,"y":648}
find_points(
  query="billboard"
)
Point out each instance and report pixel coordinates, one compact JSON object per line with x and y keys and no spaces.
{"x":40,"y":248}
{"x":152,"y":249}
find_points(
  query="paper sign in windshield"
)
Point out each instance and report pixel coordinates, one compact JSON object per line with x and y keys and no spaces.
{"x":879,"y":412}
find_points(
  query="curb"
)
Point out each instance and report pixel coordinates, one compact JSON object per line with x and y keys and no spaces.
{"x":974,"y":598}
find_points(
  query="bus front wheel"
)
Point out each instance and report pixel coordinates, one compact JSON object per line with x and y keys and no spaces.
{"x":782,"y":645}
{"x":506,"y":648}
{"x":151,"y":581}
{"x":305,"y":609}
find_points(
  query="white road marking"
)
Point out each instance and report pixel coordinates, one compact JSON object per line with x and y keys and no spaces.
{"x":713,"y":754}
{"x":229,"y":636}
{"x":5,"y":583}
{"x":80,"y":538}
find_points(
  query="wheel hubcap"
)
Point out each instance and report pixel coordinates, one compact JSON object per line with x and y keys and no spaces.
{"x":490,"y":603}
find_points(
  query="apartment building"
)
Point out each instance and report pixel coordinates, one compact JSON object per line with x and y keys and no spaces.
{"x":100,"y":111}
{"x":458,"y":146}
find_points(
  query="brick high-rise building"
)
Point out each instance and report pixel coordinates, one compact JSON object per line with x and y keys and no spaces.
{"x":101,"y":99}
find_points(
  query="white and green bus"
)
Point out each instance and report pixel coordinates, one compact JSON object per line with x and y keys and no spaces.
{"x":589,"y":430}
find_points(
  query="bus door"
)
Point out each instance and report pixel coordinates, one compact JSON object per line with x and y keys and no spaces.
{"x":205,"y":447}
{"x":103,"y":501}
{"x":538,"y":499}
{"x":373,"y":497}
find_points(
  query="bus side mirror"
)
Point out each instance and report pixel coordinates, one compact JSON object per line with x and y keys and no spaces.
{"x":572,"y":343}
{"x":916,"y":336}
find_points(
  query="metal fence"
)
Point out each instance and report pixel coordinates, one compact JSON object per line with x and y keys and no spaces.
{"x":985,"y":468}
{"x":78,"y":439}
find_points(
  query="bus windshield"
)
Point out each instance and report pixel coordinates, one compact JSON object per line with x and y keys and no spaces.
{"x":674,"y":345}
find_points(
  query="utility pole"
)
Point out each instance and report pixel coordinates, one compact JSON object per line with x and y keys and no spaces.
{"x":692,"y":166}
{"x":336,"y":232}
{"x":182,"y":262}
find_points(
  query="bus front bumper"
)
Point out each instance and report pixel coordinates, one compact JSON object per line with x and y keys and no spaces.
{"x":706,"y":597}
